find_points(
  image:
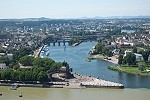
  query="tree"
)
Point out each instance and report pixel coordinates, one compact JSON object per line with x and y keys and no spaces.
{"x":98,"y":48}
{"x":4,"y":60}
{"x":45,"y":63}
{"x":145,"y":55}
{"x":130,"y":59}
{"x":134,"y":50}
{"x":6,"y":75}
{"x":42,"y":77}
{"x":26,"y":60}
{"x":17,"y":54}
{"x":120,"y":60}
{"x":21,"y":76}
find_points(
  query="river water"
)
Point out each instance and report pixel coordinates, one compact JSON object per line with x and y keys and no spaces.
{"x":74,"y":94}
{"x":76,"y":56}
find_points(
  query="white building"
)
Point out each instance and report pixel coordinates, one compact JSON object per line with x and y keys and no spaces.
{"x":3,"y":66}
{"x":139,"y":57}
{"x":2,"y":54}
{"x":128,"y":51}
{"x":116,"y":51}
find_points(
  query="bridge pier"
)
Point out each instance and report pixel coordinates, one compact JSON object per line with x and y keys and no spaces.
{"x":58,"y":43}
{"x":64,"y":43}
{"x":53,"y":43}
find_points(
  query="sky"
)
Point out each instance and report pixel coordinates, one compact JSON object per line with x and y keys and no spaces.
{"x":72,"y":8}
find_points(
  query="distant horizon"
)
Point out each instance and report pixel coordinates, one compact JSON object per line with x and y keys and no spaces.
{"x":67,"y":9}
{"x":85,"y":17}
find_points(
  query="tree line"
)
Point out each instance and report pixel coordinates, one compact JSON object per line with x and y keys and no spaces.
{"x":40,"y":67}
{"x":100,"y":48}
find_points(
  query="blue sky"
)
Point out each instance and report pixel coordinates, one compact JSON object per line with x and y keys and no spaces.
{"x":72,"y":8}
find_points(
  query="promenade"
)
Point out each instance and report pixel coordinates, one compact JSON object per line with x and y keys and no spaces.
{"x":91,"y":82}
{"x":37,"y":52}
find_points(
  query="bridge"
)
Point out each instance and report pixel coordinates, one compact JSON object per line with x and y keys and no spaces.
{"x":63,"y":41}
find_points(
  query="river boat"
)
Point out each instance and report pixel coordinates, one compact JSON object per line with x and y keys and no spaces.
{"x":20,"y":95}
{"x":47,"y":53}
{"x":65,"y":48}
{"x":13,"y":88}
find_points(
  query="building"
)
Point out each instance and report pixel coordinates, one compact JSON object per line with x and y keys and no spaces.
{"x":2,"y":54}
{"x":116,"y":51}
{"x":128,"y":51}
{"x":3,"y":66}
{"x":139,"y":57}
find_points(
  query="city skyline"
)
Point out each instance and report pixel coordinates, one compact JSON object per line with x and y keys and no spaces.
{"x":73,"y":9}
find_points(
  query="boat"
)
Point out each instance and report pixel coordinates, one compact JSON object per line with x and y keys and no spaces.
{"x":47,"y":53}
{"x":20,"y":95}
{"x":65,"y":48}
{"x":47,"y":49}
{"x":13,"y":88}
{"x":42,"y":52}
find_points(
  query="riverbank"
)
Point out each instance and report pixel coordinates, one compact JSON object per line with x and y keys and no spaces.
{"x":129,"y":70}
{"x":78,"y":81}
{"x":112,"y":59}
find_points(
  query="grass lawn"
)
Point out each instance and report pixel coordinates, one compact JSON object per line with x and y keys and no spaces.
{"x":130,"y":70}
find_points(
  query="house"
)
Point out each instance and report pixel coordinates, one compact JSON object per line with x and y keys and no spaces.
{"x":139,"y":57}
{"x":3,"y":66}
{"x":128,"y":51}
{"x":116,"y":51}
{"x":2,"y":54}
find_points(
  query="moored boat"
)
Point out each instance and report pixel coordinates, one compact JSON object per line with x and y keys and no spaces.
{"x":13,"y":88}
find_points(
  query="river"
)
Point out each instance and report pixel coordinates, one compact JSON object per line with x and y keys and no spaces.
{"x":74,"y":94}
{"x":76,"y":56}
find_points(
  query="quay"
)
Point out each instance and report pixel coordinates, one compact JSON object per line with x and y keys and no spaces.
{"x":37,"y":52}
